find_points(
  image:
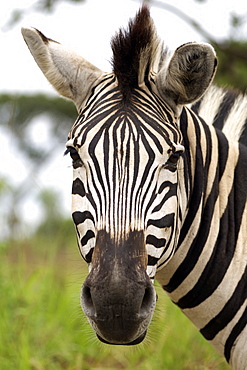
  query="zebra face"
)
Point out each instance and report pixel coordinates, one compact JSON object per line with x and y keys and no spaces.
{"x":128,"y":165}
{"x":125,"y":201}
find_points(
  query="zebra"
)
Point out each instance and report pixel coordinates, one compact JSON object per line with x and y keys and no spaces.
{"x":157,"y":192}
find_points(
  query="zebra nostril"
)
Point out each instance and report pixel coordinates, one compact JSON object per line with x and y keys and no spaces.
{"x":149,"y":300}
{"x":87,"y":300}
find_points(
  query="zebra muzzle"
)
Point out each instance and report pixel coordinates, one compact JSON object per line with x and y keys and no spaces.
{"x":118,"y":297}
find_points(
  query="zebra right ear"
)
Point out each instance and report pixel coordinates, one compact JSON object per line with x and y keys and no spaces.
{"x":70,"y":74}
{"x":188,"y":75}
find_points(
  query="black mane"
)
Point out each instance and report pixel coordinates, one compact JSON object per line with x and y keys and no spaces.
{"x":133,"y":47}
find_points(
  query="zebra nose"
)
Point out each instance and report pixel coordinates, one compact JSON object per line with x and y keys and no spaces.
{"x":120,"y":314}
{"x":90,"y":307}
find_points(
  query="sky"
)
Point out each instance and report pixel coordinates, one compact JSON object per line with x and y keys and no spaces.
{"x":86,"y":28}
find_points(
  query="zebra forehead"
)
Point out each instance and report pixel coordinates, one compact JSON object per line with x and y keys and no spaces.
{"x":124,"y":123}
{"x":126,"y":137}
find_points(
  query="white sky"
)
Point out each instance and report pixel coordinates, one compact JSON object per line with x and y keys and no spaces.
{"x":87,"y":28}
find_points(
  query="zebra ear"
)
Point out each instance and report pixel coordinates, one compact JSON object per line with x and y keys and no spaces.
{"x":67,"y":71}
{"x":188,"y":74}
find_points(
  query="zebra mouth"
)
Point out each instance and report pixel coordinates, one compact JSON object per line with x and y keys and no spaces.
{"x":133,"y":343}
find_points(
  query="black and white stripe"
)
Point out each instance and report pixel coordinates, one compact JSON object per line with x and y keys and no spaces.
{"x":221,"y":107}
{"x":207,"y":277}
{"x":123,"y":158}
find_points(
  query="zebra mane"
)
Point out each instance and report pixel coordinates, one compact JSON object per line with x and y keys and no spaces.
{"x":226,"y":109}
{"x":136,"y":52}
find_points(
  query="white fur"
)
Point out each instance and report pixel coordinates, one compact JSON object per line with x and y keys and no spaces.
{"x":210,"y":103}
{"x":235,"y":122}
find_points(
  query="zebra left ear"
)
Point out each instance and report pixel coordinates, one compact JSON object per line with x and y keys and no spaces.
{"x":188,"y":75}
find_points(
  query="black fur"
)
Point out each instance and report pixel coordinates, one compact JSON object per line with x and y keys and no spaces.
{"x":127,"y":47}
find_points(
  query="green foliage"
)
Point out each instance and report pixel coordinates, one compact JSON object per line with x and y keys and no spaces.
{"x":9,"y":198}
{"x":23,"y":108}
{"x":232,"y":65}
{"x":42,"y":326}
{"x":52,"y":220}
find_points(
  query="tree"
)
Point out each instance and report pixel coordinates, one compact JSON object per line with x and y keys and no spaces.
{"x":19,"y":111}
{"x":18,"y":114}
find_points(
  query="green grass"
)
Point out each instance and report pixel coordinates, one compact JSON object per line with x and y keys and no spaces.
{"x":42,"y":326}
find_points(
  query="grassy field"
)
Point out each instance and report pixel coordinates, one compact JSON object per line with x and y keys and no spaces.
{"x":42,"y":326}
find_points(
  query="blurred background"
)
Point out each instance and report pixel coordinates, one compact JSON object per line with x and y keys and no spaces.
{"x":41,"y":271}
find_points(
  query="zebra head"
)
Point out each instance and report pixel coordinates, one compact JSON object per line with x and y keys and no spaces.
{"x":127,"y":153}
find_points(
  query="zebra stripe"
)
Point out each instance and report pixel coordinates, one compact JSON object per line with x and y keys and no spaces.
{"x":207,"y":271}
{"x":129,"y":130}
{"x":221,"y":107}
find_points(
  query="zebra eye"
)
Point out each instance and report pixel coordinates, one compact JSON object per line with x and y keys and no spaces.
{"x":173,"y":160}
{"x":74,"y":156}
